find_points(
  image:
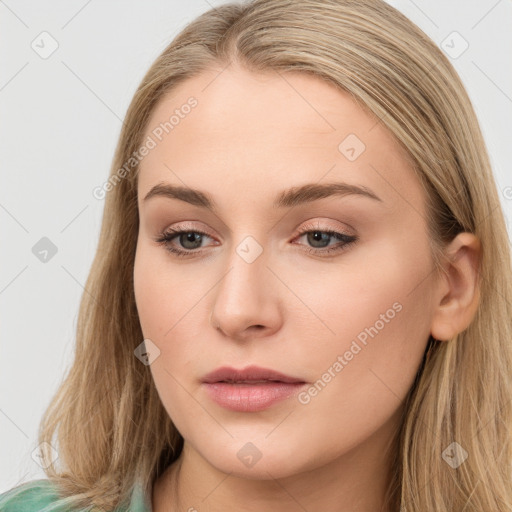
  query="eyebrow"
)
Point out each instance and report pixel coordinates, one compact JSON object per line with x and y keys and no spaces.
{"x":286,"y":199}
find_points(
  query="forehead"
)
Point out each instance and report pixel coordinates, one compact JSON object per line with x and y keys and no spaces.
{"x":268,"y":131}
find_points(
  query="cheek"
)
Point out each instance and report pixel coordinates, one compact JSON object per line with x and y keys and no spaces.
{"x":373,"y":309}
{"x":362,"y":373}
{"x":165,"y":294}
{"x":173,"y":312}
{"x":168,"y":305}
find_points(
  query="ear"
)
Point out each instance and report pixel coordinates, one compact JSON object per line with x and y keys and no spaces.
{"x":458,"y":290}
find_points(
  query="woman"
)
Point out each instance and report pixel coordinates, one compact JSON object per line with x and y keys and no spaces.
{"x":301,"y":297}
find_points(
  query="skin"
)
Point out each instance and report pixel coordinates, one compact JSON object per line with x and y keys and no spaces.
{"x":250,"y":137}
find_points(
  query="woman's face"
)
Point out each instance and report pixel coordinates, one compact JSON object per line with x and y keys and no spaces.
{"x":267,"y":283}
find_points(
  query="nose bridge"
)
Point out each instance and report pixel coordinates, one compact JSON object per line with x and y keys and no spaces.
{"x":246,"y":276}
{"x":245,"y":295}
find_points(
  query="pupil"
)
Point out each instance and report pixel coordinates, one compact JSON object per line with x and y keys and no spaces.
{"x":319,"y":236}
{"x":192,"y":238}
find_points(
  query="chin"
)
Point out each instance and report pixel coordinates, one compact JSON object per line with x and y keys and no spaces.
{"x":257,"y":461}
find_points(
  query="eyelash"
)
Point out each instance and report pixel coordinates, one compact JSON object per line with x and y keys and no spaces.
{"x":165,"y":238}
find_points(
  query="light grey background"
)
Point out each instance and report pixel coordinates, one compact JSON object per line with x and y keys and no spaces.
{"x":60,"y":120}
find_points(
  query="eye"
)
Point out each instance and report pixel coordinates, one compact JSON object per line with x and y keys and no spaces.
{"x":320,"y":239}
{"x":189,"y":239}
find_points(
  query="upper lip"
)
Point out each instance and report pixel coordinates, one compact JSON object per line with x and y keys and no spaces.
{"x":248,"y":374}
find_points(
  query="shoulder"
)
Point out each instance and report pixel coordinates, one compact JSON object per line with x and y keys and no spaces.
{"x":30,"y":496}
{"x":35,"y":495}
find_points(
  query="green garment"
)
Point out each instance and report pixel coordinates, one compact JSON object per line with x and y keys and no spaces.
{"x":37,"y":494}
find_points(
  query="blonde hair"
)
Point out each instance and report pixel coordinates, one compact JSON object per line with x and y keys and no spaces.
{"x":107,"y":419}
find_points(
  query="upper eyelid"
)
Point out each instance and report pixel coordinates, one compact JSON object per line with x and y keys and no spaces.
{"x":189,"y":226}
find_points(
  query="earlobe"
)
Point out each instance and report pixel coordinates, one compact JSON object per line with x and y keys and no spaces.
{"x":458,"y":289}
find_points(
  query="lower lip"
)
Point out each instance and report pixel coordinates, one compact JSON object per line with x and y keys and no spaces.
{"x":250,"y":397}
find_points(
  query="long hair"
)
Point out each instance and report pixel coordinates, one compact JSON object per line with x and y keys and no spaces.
{"x":107,"y":420}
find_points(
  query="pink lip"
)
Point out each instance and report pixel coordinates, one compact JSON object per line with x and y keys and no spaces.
{"x":250,"y":389}
{"x":249,"y":373}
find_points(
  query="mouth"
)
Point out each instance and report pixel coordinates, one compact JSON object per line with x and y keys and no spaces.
{"x":251,"y":389}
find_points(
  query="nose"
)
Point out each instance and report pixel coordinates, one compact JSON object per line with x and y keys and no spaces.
{"x":246,"y":304}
